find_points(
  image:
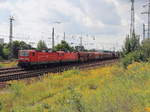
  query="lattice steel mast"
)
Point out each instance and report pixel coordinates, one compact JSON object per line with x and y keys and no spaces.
{"x":149,"y":19}
{"x":132,"y":26}
{"x":148,"y":13}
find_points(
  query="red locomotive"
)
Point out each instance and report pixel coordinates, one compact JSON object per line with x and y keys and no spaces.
{"x":30,"y":58}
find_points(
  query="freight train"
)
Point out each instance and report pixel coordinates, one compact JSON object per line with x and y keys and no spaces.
{"x":34,"y":58}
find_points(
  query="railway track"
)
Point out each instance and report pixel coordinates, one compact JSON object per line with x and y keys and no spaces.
{"x":5,"y":71}
{"x":8,"y":68}
{"x":8,"y":74}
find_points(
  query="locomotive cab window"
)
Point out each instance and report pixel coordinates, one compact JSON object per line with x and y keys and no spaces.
{"x":24,"y":53}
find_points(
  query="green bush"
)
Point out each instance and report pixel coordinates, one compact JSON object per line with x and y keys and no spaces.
{"x":134,"y":51}
{"x":1,"y":58}
{"x":135,"y":56}
{"x":131,"y":44}
{"x":6,"y":52}
{"x":145,"y":47}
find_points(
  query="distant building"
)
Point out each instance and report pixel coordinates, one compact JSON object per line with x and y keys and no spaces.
{"x":1,"y":41}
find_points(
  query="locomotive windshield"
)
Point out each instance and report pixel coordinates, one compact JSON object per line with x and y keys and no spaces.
{"x":24,"y":53}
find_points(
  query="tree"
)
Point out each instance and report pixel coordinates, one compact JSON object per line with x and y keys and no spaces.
{"x":1,"y":51}
{"x":80,"y":48}
{"x":131,"y":44}
{"x":5,"y":49}
{"x":135,"y":56}
{"x":19,"y":45}
{"x":132,"y":50}
{"x":41,"y":45}
{"x":145,"y":47}
{"x":23,"y":45}
{"x":63,"y":46}
{"x":6,"y":52}
{"x":15,"y":48}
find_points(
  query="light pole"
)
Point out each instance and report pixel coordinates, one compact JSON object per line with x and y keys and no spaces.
{"x":53,"y":34}
{"x":64,"y":36}
{"x":11,"y":36}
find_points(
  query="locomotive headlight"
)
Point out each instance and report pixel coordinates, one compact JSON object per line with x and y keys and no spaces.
{"x":26,"y":59}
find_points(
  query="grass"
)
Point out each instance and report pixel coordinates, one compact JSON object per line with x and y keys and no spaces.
{"x":106,"y":89}
{"x":8,"y":64}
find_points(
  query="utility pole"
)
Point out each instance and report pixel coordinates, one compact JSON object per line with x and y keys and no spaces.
{"x":53,"y":41}
{"x":132,"y":26}
{"x":114,"y":49}
{"x":148,"y":13}
{"x":64,"y":36}
{"x":11,"y":36}
{"x":149,"y":19}
{"x":53,"y":34}
{"x":81,"y":47}
{"x":81,"y":41}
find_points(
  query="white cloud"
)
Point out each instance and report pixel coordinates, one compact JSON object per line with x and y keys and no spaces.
{"x":108,"y":20}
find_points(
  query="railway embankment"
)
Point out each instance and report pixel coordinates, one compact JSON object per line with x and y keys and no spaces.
{"x":6,"y":64}
{"x":108,"y":88}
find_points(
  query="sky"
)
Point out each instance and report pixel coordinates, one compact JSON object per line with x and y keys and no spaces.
{"x":103,"y":24}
